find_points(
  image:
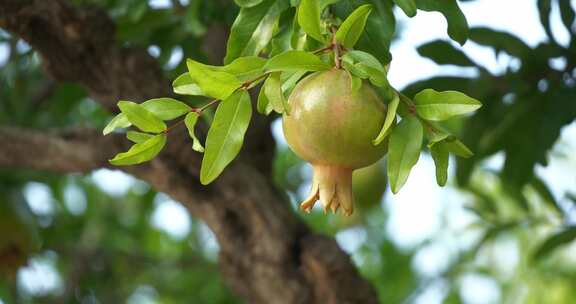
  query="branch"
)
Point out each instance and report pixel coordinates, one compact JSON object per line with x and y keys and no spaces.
{"x":77,"y":44}
{"x":63,"y":151}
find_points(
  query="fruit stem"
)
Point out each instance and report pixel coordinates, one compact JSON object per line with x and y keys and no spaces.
{"x":336,"y":48}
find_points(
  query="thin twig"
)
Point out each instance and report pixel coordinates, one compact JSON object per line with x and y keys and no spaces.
{"x":245,"y":86}
{"x":206,"y":106}
{"x":412,"y":110}
{"x":324,"y":49}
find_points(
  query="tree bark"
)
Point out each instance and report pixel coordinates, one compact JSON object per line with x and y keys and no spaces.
{"x":267,"y":254}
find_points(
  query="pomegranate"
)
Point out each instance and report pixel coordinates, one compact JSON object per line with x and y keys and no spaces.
{"x":332,"y":127}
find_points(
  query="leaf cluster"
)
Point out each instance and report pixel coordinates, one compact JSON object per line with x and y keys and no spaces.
{"x":276,"y":44}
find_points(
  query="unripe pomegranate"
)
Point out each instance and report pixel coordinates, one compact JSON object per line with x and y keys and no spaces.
{"x":332,"y":127}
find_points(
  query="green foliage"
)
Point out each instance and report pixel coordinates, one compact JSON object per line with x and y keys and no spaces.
{"x":351,"y":29}
{"x":118,"y":122}
{"x":258,"y":29}
{"x":185,"y":85}
{"x":216,"y":84}
{"x":309,"y":19}
{"x":166,"y":108}
{"x":273,"y":90}
{"x":138,"y":137}
{"x":140,"y":152}
{"x":404,"y":150}
{"x":253,"y":29}
{"x":390,"y":119}
{"x":226,"y":135}
{"x":190,"y":121}
{"x":141,"y":117}
{"x":500,"y":41}
{"x":379,"y":30}
{"x":457,"y":24}
{"x":520,"y":119}
{"x":244,"y":68}
{"x":264,"y":106}
{"x":559,"y":239}
{"x":443,"y":52}
{"x":440,"y":155}
{"x":295,"y":60}
{"x":355,"y":83}
{"x":366,"y":66}
{"x":408,"y":6}
{"x":457,"y":147}
{"x":247,"y":3}
{"x":437,"y":106}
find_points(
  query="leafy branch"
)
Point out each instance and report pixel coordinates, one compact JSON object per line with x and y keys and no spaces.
{"x":296,"y":50}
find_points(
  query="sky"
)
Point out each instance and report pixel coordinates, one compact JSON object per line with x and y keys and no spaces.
{"x":440,"y":215}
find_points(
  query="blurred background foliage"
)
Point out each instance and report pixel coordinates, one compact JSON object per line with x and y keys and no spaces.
{"x":505,"y":228}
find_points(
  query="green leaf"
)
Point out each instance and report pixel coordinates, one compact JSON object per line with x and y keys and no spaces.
{"x":440,"y":156}
{"x":247,"y":3}
{"x":457,"y":24}
{"x":365,"y":59}
{"x":138,"y":137}
{"x":457,"y":147}
{"x":544,"y":10}
{"x":118,"y":122}
{"x":366,"y":66}
{"x":289,"y":80}
{"x":309,"y":18}
{"x":403,"y":150}
{"x":298,"y":37}
{"x":387,"y":92}
{"x":559,"y":239}
{"x":264,"y":106}
{"x":408,"y":6}
{"x":353,"y":69}
{"x":379,"y":30}
{"x":184,"y":85}
{"x":190,"y":121}
{"x":141,"y":118}
{"x":140,"y":152}
{"x":388,"y":121}
{"x":295,"y":60}
{"x":442,"y":52}
{"x":216,"y":84}
{"x":436,"y":135}
{"x":545,"y":194}
{"x":226,"y":135}
{"x":355,"y":83}
{"x":325,"y":3}
{"x":500,"y":41}
{"x":166,"y":108}
{"x":253,"y":28}
{"x":245,"y":68}
{"x":567,"y":14}
{"x":436,"y":106}
{"x":273,"y":90}
{"x":352,"y":28}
